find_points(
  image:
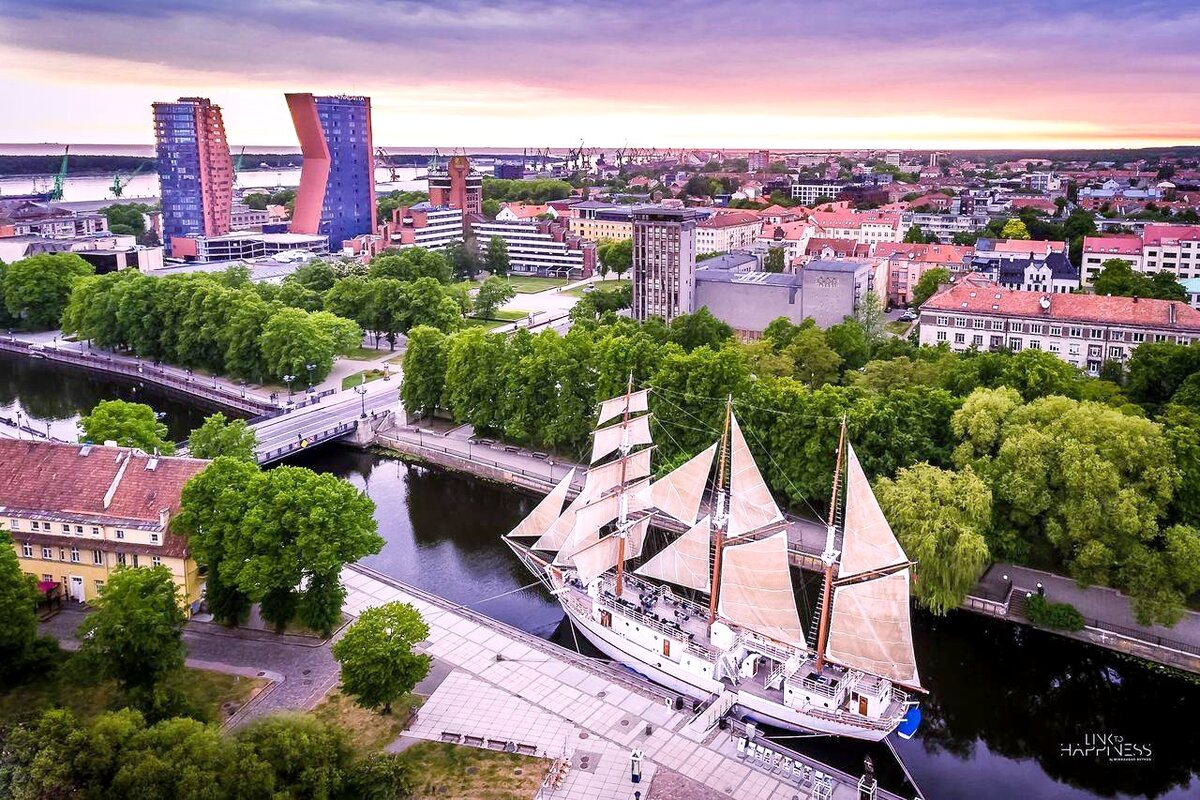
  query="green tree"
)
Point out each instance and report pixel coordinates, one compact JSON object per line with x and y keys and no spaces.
{"x":127,"y":220}
{"x":699,"y":329}
{"x":127,"y":424}
{"x":849,"y":340}
{"x":869,"y":314}
{"x":135,"y":634}
{"x":308,"y":758}
{"x":433,"y":305}
{"x":915,"y":235}
{"x":816,"y":363}
{"x":381,"y":776}
{"x":616,"y":256}
{"x":316,"y":275}
{"x":292,"y":339}
{"x":378,"y":665}
{"x":1157,"y":370}
{"x":491,"y":208}
{"x":219,"y":436}
{"x":257,"y":200}
{"x":424,"y":371}
{"x":1035,"y":373}
{"x":473,"y":362}
{"x":940,"y":518}
{"x":18,"y":617}
{"x":928,"y":284}
{"x":776,"y":259}
{"x":497,"y":261}
{"x":410,"y":264}
{"x":494,"y":293}
{"x":36,"y":289}
{"x":1117,"y":277}
{"x":1014,"y":229}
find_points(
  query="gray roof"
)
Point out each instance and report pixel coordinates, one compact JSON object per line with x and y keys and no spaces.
{"x":750,"y":278}
{"x":830,"y":265}
{"x":730,"y":261}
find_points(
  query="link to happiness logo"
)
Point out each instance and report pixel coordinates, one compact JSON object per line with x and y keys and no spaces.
{"x":1111,"y":747}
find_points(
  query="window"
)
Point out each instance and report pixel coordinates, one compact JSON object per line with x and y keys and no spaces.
{"x":120,"y":558}
{"x":1095,"y":350}
{"x":1034,"y":344}
{"x":1160,"y":337}
{"x":98,"y":557}
{"x":27,"y":550}
{"x":99,"y":586}
{"x":1114,"y":352}
{"x":135,"y":559}
{"x":1097,"y":333}
{"x":1017,"y":327}
{"x":74,"y":555}
{"x":977,"y":341}
{"x":1035,"y":328}
{"x":1014,"y":344}
{"x":1137,"y":337}
{"x":960,"y":338}
{"x":1056,"y":330}
{"x":154,"y":538}
{"x":1076,"y":333}
{"x":1054,"y":348}
{"x":47,"y":577}
{"x":997,"y":324}
{"x":941,"y":336}
{"x":943,"y":320}
{"x":120,"y":534}
{"x":1073,"y":350}
{"x":156,"y":561}
{"x":977,"y":324}
{"x":79,"y":530}
{"x":47,"y":554}
{"x":960,"y":322}
{"x":1117,"y":336}
{"x":95,"y":531}
{"x":14,"y":524}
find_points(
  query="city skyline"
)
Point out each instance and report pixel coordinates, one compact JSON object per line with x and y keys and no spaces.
{"x":683,"y":74}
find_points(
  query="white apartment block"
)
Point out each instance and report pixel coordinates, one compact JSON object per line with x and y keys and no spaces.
{"x":539,"y":247}
{"x":1159,"y":248}
{"x":723,"y":233}
{"x":808,"y":191}
{"x":1083,"y":330}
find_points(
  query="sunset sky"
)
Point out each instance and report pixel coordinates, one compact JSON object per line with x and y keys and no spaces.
{"x":665,"y":73}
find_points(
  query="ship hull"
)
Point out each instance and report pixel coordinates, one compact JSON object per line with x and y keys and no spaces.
{"x":666,"y":673}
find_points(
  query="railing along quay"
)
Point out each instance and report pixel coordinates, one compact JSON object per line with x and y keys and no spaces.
{"x":142,"y":371}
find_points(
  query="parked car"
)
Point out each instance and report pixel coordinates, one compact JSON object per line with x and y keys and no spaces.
{"x":909,"y":315}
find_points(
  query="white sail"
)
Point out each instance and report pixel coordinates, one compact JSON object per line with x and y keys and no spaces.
{"x":589,"y":519}
{"x":870,"y":628}
{"x":618,"y":406}
{"x":685,"y":561}
{"x":558,"y":532}
{"x":597,"y":558}
{"x":609,"y":439}
{"x":546,"y":512}
{"x":607,"y":477}
{"x":600,"y":556}
{"x":756,"y":589}
{"x":679,"y":492}
{"x":750,"y":503}
{"x":868,"y":543}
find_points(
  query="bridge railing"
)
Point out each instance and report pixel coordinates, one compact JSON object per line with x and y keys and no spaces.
{"x":306,"y":441}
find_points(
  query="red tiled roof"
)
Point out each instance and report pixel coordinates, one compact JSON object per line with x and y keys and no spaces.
{"x":1170,"y":234}
{"x":729,"y":219}
{"x":1028,"y":246}
{"x":1034,"y":202}
{"x":56,"y":478}
{"x":1128,"y":245}
{"x":842,"y":247}
{"x":983,"y":297}
{"x":927,"y":253}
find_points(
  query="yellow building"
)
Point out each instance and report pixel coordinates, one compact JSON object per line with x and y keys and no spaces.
{"x":596,"y":221}
{"x":78,"y":512}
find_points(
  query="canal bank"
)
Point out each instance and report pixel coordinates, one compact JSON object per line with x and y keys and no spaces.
{"x":1006,"y":701}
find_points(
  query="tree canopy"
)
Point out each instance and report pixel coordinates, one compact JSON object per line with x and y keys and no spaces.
{"x":378,"y":665}
{"x":219,"y":436}
{"x":1117,"y":277}
{"x":35,"y":290}
{"x":127,"y":424}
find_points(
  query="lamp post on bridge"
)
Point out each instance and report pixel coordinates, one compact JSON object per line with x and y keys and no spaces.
{"x":310,"y":368}
{"x":361,"y":391}
{"x":288,"y":380}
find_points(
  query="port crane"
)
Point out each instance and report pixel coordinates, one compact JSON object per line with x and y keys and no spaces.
{"x":119,"y":183}
{"x":60,"y":179}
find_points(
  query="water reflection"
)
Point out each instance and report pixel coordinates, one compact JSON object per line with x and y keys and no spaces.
{"x":54,"y":396}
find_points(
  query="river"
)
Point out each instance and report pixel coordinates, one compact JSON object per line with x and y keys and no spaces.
{"x":84,"y":188}
{"x":1008,"y":710}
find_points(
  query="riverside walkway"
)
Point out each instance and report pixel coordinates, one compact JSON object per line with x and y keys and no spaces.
{"x":1107,"y":613}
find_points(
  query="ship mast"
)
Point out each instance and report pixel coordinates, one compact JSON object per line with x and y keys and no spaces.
{"x":623,"y":512}
{"x":830,"y":554}
{"x":720,"y":519}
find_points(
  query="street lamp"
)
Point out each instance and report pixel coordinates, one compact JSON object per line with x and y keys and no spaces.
{"x":288,"y":380}
{"x":361,"y":391}
{"x":310,"y":368}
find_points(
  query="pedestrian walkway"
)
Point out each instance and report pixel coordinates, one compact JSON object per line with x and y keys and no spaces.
{"x":508,"y":687}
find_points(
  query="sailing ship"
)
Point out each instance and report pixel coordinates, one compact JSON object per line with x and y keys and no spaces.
{"x":713,"y":614}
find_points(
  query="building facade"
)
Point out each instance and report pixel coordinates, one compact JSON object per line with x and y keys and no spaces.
{"x":1098,"y":249}
{"x":424,"y":225}
{"x":596,"y":221}
{"x":540,"y":247}
{"x":664,"y":262}
{"x":195,"y":170}
{"x":245,"y":245}
{"x":336,"y":198}
{"x":78,"y":512}
{"x":456,"y":186}
{"x":1082,"y":329}
{"x":722,"y":233}
{"x":808,"y":192}
{"x":748,"y":299}
{"x":1054,"y":274}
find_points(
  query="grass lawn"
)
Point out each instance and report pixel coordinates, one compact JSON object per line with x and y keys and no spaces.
{"x":213,"y":693}
{"x":531,"y":284}
{"x":454,"y":772}
{"x":357,"y":378}
{"x":367,"y":731}
{"x":607,"y":286}
{"x":486,"y":324}
{"x":364,"y":353}
{"x":897,"y":327}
